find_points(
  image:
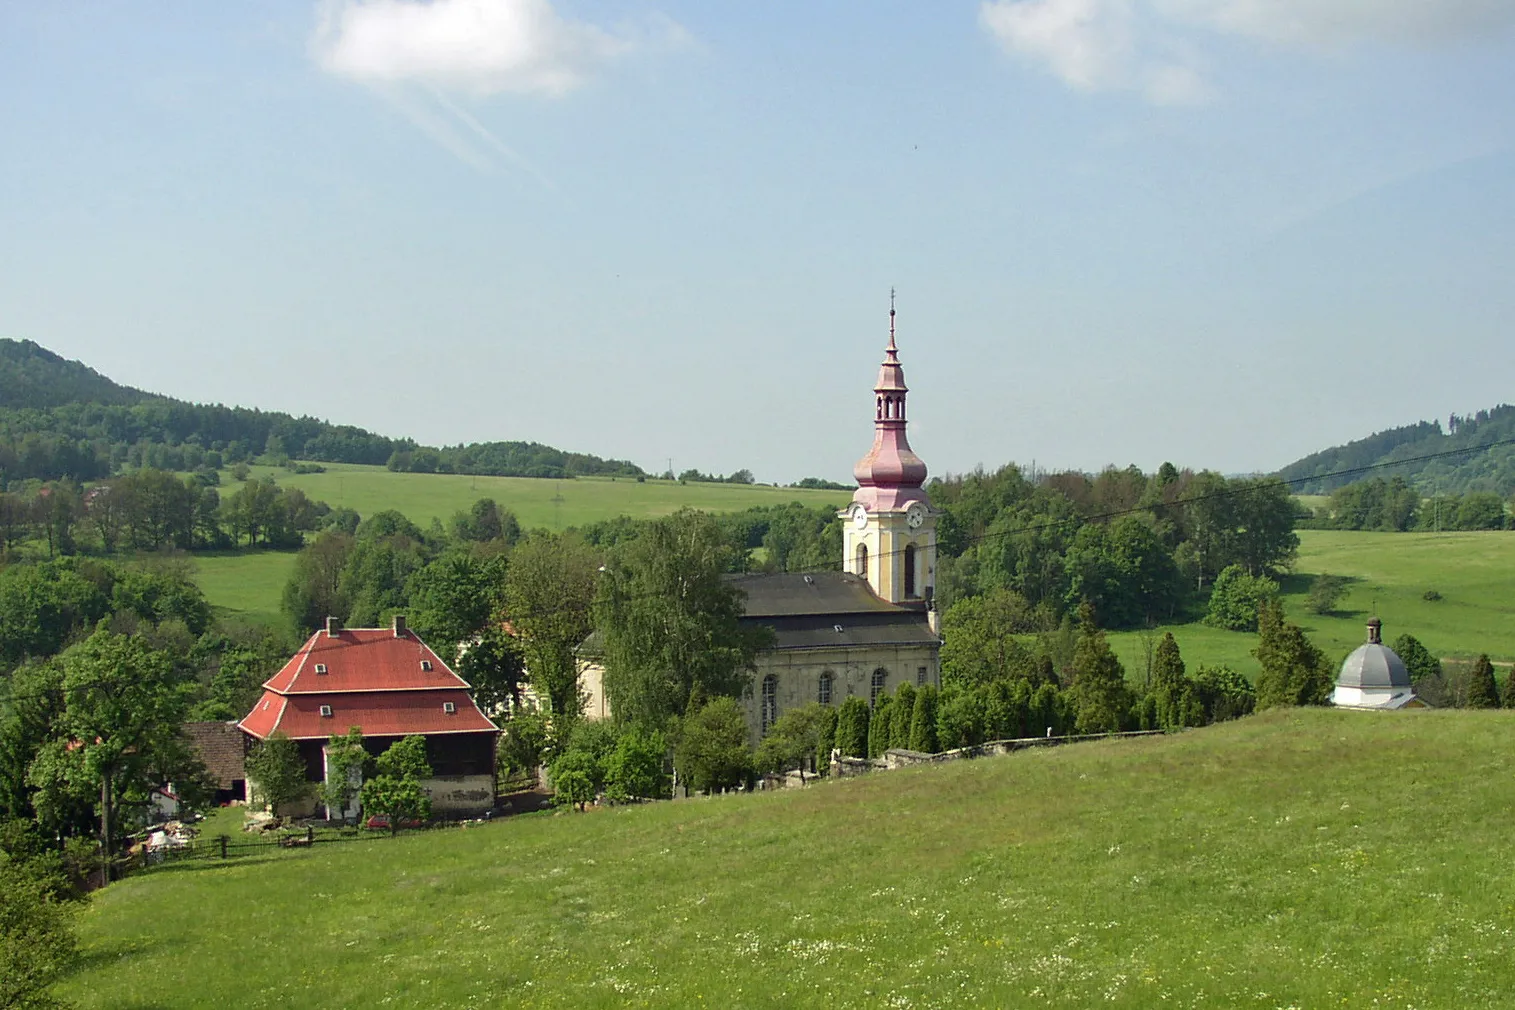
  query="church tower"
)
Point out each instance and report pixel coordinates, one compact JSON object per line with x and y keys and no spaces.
{"x":889,"y":535}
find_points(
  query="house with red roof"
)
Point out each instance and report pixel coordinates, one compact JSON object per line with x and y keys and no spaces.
{"x":389,"y":684}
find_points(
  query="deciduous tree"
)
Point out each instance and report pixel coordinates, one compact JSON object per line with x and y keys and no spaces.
{"x":712,"y":752}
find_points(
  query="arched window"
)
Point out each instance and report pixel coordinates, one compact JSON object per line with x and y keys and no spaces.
{"x":770,"y":700}
{"x":876,"y":688}
{"x":862,"y":560}
{"x":823,"y":693}
{"x":909,"y":570}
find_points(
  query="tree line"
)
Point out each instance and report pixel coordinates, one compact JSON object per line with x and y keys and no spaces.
{"x":1392,"y":505}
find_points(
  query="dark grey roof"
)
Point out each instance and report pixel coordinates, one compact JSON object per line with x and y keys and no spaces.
{"x":785,"y":594}
{"x":823,"y":631}
{"x":1373,"y":666}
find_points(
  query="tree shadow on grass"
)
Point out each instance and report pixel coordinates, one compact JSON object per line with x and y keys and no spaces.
{"x":102,"y":954}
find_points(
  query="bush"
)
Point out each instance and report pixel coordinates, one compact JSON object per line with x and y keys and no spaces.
{"x":36,"y":938}
{"x":1236,"y":598}
{"x":712,"y":752}
{"x":573,"y":779}
{"x":1430,"y":596}
{"x":1224,"y":693}
{"x":1326,"y":592}
{"x":635,"y":769}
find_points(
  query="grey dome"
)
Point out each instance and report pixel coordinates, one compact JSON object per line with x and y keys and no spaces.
{"x":1373,"y":665}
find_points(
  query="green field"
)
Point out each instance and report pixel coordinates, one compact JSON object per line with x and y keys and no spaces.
{"x":249,"y":584}
{"x":1297,"y":859}
{"x":551,"y":504}
{"x":1473,"y":572}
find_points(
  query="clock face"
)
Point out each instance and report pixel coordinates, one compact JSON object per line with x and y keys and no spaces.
{"x":859,"y":516}
{"x":915,"y":516}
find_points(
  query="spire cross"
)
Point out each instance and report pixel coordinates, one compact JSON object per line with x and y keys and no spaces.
{"x":891,"y":319}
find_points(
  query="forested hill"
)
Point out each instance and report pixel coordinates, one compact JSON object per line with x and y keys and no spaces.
{"x":61,"y":418}
{"x":33,"y":376}
{"x":1482,"y":468}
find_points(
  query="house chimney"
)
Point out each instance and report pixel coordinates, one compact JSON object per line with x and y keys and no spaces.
{"x":333,"y":627}
{"x":399,"y":625}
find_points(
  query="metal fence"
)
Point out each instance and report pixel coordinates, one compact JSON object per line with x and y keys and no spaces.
{"x":227,"y":847}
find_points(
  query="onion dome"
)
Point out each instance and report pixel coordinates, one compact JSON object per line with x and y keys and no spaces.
{"x":891,"y":475}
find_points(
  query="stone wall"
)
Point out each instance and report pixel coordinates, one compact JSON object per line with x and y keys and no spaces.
{"x":459,"y":795}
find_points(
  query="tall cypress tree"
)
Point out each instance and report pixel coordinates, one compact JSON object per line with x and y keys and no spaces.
{"x":879,"y":738}
{"x":1482,"y":692}
{"x":904,"y":712}
{"x":923,"y":721}
{"x":852,"y":728}
{"x":1170,"y":687}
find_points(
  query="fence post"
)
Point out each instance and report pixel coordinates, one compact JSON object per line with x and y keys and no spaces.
{"x":223,"y":846}
{"x":310,"y":835}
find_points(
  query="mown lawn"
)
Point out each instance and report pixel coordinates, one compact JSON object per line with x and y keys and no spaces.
{"x":1390,"y":573}
{"x":1297,"y":859}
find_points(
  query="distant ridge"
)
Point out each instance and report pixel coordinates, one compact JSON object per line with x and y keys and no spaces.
{"x":32,"y":376}
{"x":61,"y":418}
{"x":1483,"y":468}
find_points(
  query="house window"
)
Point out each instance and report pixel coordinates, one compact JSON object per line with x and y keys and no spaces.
{"x":862,"y":560}
{"x":824,"y":694}
{"x":426,"y":666}
{"x":770,"y":700}
{"x":449,"y":708}
{"x":909,"y":570}
{"x":880,"y":678}
{"x":920,"y":676}
{"x":325,"y":711}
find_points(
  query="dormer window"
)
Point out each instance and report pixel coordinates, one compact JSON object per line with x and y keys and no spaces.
{"x":320,"y":667}
{"x":449,"y":708}
{"x":325,"y":711}
{"x":425,"y":666}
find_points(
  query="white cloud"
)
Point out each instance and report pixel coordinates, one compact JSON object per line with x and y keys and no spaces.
{"x":1148,"y":46}
{"x":467,"y":47}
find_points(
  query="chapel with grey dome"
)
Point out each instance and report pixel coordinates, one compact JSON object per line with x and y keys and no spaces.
{"x":1374,"y":676}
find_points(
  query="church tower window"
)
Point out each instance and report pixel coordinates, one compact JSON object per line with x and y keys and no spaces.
{"x":910,"y":591}
{"x":823,"y":693}
{"x":876,"y":688}
{"x":770,"y":700}
{"x":862,"y":560}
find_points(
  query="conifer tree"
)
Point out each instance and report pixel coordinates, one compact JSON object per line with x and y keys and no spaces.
{"x":852,"y":728}
{"x":1482,"y":692}
{"x":1508,"y":698}
{"x":879,"y":736}
{"x":1099,"y":680}
{"x":1417,"y":658}
{"x":923,"y":721}
{"x":1294,"y":671}
{"x":904,"y":714}
{"x":827,"y":740}
{"x":1170,"y":687}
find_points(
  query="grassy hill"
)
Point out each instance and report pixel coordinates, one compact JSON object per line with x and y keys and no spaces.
{"x":1484,"y":467}
{"x":1296,"y":859}
{"x":1473,"y":572}
{"x":249,"y":583}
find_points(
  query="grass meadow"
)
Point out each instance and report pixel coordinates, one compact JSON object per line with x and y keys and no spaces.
{"x":1390,"y":574}
{"x":537,"y":502}
{"x":1295,"y":859}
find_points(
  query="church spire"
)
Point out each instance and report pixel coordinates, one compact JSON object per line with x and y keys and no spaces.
{"x":891,"y":475}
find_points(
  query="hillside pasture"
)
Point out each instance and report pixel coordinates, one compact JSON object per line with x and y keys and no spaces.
{"x":1294,"y":859}
{"x":1390,"y":574}
{"x":537,"y":502}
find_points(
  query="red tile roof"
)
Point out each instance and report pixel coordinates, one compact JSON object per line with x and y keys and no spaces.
{"x":373,"y":679}
{"x":376,"y":713}
{"x":363,"y":659}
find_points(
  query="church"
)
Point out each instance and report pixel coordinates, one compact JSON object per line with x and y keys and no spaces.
{"x":861,"y":631}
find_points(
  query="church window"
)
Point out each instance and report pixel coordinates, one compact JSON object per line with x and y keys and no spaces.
{"x":920,"y":676}
{"x":823,"y":694}
{"x":880,"y":679}
{"x":862,"y":560}
{"x":770,"y":700}
{"x":909,"y":570}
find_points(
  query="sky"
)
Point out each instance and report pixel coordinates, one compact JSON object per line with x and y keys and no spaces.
{"x":1225,"y":233}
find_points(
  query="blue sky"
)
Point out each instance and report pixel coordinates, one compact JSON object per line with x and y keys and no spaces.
{"x":1221,"y":232}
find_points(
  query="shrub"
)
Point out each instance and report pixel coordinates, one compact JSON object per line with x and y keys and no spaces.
{"x":1236,"y":598}
{"x":1430,"y":596}
{"x":712,"y":752}
{"x":1326,"y":592}
{"x":1223,"y":693}
{"x":573,"y":779}
{"x":634,"y":770}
